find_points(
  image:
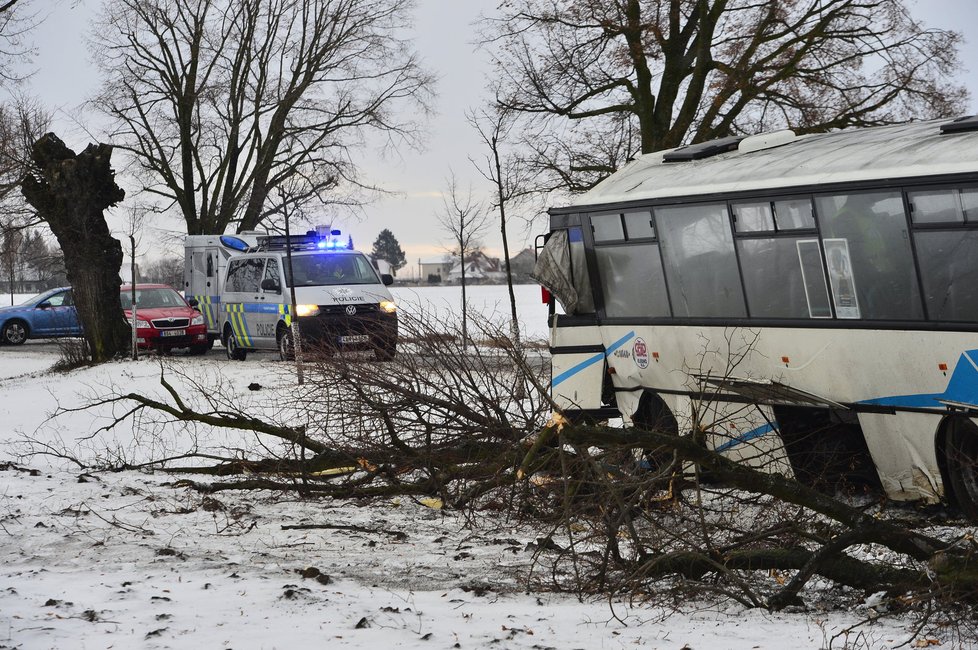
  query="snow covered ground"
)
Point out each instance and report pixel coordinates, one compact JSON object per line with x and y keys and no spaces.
{"x":130,"y":560}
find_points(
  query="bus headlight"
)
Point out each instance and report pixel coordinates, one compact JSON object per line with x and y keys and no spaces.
{"x":388,"y":306}
{"x":306,"y":310}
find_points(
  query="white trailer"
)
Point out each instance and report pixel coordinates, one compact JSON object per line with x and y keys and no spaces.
{"x":204,"y":270}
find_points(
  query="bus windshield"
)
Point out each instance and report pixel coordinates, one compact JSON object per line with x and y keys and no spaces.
{"x":320,"y":269}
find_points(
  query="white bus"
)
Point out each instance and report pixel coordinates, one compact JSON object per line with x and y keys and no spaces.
{"x":798,"y":298}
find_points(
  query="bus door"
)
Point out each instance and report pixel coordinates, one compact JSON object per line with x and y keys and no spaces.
{"x":577,"y":353}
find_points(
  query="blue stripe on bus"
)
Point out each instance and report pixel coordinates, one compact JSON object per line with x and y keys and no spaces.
{"x":962,"y":388}
{"x":570,"y":372}
{"x":746,"y":437}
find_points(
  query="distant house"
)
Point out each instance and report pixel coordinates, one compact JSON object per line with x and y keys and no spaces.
{"x":28,"y":280}
{"x":478,"y":268}
{"x":436,"y":266}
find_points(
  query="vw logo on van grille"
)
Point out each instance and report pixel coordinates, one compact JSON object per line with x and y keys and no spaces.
{"x":351,"y":310}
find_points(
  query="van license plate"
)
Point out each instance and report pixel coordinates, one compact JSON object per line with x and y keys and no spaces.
{"x":355,"y":338}
{"x":172,"y":332}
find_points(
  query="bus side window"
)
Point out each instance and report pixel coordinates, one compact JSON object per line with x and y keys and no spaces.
{"x":947,"y":255}
{"x":700,"y":262}
{"x":780,"y":280}
{"x":632,"y":280}
{"x":868,"y":232}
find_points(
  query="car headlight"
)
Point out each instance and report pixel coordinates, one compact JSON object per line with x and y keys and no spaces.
{"x":197,"y":320}
{"x":306,"y":310}
{"x":388,"y":306}
{"x":140,"y":324}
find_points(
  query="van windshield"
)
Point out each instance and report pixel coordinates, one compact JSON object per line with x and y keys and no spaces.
{"x":330,"y":268}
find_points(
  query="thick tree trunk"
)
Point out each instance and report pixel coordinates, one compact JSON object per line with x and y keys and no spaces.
{"x":70,"y":192}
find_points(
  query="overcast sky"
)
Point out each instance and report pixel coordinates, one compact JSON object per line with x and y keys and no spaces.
{"x":445,"y":35}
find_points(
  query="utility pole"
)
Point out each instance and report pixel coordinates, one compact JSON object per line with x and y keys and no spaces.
{"x":293,"y":319}
{"x":132,"y":255}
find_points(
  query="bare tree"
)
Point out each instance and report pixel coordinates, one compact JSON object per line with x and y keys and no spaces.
{"x":220,"y":101}
{"x":511,"y":177}
{"x":606,"y":80}
{"x":70,"y":192}
{"x":16,"y":21}
{"x":166,"y":270}
{"x":22,"y":121}
{"x":11,"y":243}
{"x":465,"y":221}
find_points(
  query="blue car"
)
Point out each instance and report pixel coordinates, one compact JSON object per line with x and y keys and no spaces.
{"x":46,"y":315}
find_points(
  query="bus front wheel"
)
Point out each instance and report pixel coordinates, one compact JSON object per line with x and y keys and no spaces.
{"x":961,"y":461}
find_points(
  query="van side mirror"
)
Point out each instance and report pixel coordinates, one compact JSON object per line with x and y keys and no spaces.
{"x":387,"y":279}
{"x":270,"y":284}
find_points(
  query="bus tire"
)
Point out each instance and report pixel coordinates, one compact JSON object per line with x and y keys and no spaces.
{"x":653,"y":414}
{"x":234,"y":351}
{"x":961,"y":461}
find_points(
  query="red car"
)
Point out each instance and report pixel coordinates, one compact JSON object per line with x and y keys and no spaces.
{"x":165,"y":320}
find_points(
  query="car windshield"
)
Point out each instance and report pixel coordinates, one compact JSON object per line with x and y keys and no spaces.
{"x":36,"y":298}
{"x":152,"y":298}
{"x":330,"y":268}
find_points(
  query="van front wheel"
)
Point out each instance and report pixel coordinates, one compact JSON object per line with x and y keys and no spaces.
{"x":286,"y":345}
{"x":235,"y":352}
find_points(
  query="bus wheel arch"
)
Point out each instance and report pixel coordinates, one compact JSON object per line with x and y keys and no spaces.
{"x":653,"y":414}
{"x":957,"y":457}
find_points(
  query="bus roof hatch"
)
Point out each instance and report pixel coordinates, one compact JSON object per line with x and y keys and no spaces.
{"x":703,"y":149}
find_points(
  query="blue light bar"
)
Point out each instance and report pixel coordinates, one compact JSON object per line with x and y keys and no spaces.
{"x":234,"y":242}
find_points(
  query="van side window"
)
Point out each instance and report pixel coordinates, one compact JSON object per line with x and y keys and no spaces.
{"x":244,"y":275}
{"x":272,"y":273}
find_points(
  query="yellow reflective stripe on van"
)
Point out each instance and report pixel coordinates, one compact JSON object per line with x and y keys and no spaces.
{"x":238,"y":325}
{"x":205,"y":305}
{"x":283,"y":312}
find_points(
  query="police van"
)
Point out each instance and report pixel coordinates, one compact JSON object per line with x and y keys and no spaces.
{"x":245,"y":289}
